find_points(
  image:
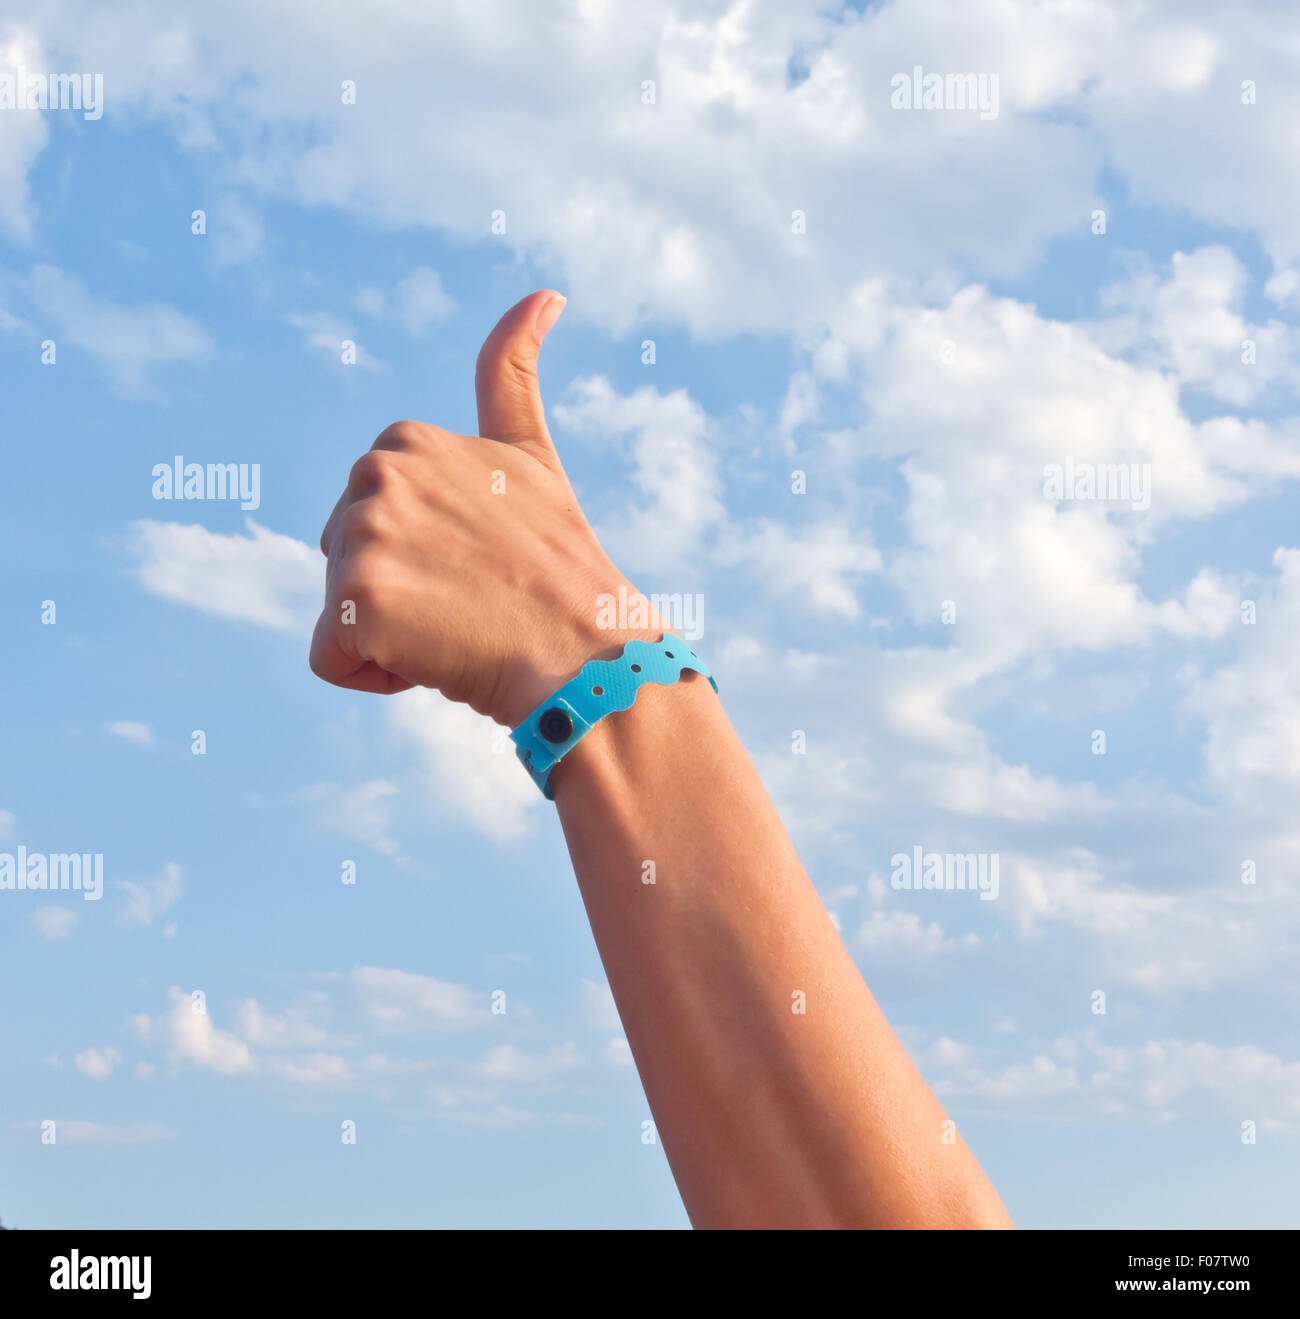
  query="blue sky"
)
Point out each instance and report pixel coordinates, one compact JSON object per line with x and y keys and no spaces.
{"x":947,"y":326}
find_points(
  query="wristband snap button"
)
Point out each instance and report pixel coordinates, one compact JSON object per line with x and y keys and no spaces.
{"x":555,"y":725}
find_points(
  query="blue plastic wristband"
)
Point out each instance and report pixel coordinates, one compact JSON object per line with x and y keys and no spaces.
{"x":603,"y":686}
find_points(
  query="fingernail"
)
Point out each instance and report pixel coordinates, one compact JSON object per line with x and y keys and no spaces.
{"x":548,"y":314}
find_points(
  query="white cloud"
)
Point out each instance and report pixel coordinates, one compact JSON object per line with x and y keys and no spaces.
{"x":190,"y":1036}
{"x":468,"y":765}
{"x":315,"y":1069}
{"x":1251,"y":706}
{"x":1191,"y":323}
{"x":422,"y":301}
{"x":293,"y":1046}
{"x":1158,"y":1080}
{"x":55,"y":922}
{"x":126,"y":340}
{"x":1022,"y":572}
{"x":1077,"y":891}
{"x":75,"y":1132}
{"x":24,"y":138}
{"x":1041,"y":1079}
{"x":98,"y":1064}
{"x":148,"y":900}
{"x":818,"y":569}
{"x":235,"y":231}
{"x":1243,"y":1079}
{"x":476,"y":1106}
{"x":381,"y":1065}
{"x":361,"y":812}
{"x":904,"y":938}
{"x":401,"y":1001}
{"x":1021,"y":569}
{"x":129,"y":731}
{"x":672,"y":467}
{"x":296,"y":1029}
{"x":598,"y":1008}
{"x":584,"y":178}
{"x":370,"y":301}
{"x":261,"y":577}
{"x":327,"y":334}
{"x":506,"y":1063}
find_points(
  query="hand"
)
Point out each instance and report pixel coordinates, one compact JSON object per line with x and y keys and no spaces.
{"x":464,"y":563}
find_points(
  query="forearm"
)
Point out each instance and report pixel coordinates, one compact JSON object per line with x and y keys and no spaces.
{"x":770,"y":1116}
{"x":464,"y":563}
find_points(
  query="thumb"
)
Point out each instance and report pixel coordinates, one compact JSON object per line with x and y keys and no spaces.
{"x":505,"y":378}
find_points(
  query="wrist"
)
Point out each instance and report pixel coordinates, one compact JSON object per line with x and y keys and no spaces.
{"x":602,"y":688}
{"x":568,"y":645}
{"x":635,"y":750}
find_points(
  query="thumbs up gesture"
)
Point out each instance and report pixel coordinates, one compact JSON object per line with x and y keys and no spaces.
{"x":463,"y":562}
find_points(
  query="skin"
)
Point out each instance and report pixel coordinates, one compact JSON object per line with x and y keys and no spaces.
{"x":780,"y":1093}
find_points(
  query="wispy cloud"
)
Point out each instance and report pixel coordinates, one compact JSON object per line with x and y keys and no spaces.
{"x":261,"y":577}
{"x":467,"y":765}
{"x":362,"y":812}
{"x":71,"y":1131}
{"x":401,"y":1001}
{"x":126,"y":340}
{"x":55,"y":922}
{"x":334,"y":338}
{"x":148,"y":900}
{"x":130,"y":731}
{"x":98,"y":1064}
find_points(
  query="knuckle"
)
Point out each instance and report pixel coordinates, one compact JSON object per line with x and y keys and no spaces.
{"x":362,"y":522}
{"x":401,"y":437}
{"x":374,"y":470}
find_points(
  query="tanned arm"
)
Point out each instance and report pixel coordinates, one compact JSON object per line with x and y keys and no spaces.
{"x":781,"y":1095}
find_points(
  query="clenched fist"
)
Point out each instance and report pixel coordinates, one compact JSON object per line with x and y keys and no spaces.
{"x":463,"y":562}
